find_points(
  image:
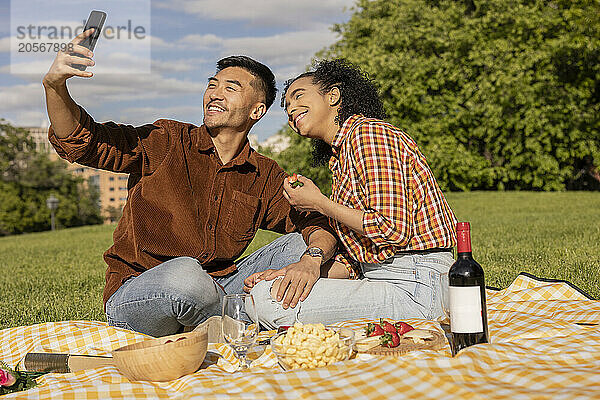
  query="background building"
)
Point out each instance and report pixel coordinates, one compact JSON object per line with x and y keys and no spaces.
{"x":111,"y":186}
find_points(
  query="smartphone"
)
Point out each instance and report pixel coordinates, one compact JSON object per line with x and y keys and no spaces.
{"x":96,"y":21}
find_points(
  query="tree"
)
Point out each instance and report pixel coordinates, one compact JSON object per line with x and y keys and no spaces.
{"x":499,"y":94}
{"x":28,"y":178}
{"x":113,"y":214}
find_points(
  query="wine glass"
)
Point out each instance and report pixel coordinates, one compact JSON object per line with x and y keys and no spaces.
{"x":240,"y":324}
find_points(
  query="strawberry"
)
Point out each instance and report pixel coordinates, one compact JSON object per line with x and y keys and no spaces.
{"x":403,"y":327}
{"x":294,"y":182}
{"x":390,"y":339}
{"x":387,"y":327}
{"x":374,"y":330}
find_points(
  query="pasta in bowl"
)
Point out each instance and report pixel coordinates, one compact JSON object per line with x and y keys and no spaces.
{"x":312,"y":345}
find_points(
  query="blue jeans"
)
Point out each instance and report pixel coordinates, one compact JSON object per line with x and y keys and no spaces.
{"x":408,"y":286}
{"x":180,"y":293}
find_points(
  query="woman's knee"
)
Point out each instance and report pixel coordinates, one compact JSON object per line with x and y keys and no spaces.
{"x":271,"y":313}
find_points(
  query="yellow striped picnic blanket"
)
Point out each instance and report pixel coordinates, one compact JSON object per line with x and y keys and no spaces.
{"x":545,"y":344}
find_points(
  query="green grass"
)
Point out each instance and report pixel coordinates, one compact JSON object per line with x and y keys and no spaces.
{"x":550,"y":235}
{"x":55,"y":276}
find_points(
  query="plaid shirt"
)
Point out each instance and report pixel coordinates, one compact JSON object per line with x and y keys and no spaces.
{"x":379,"y":169}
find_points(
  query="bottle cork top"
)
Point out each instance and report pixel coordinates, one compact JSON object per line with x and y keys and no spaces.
{"x":463,"y":237}
{"x":463,"y":226}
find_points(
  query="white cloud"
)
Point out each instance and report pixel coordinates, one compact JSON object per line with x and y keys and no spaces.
{"x":283,"y":49}
{"x":159,"y":43}
{"x":179,"y":65}
{"x":21,"y":97}
{"x":144,"y":115}
{"x":111,"y":56}
{"x":99,"y":90}
{"x":113,"y":88}
{"x":202,"y":42}
{"x":296,"y":48}
{"x":32,"y":118}
{"x":5,"y":44}
{"x":290,"y":13}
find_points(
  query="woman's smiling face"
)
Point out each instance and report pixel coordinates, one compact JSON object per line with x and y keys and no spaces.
{"x":309,"y":111}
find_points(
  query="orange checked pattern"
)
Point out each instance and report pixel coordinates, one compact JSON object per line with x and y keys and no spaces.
{"x":379,"y":169}
{"x":545,"y":344}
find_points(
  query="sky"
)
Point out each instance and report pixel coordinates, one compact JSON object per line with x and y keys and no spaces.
{"x":165,"y":74}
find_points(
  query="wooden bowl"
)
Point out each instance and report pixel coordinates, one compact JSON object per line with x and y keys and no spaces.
{"x":162,"y":359}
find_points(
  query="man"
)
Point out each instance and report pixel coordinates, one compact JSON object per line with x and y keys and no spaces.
{"x":197,"y":196}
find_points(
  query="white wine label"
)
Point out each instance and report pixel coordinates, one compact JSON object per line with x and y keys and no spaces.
{"x":465,"y":309}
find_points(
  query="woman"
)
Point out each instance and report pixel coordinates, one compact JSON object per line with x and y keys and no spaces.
{"x":386,"y":207}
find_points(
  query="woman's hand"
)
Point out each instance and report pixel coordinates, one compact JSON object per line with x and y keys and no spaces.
{"x":309,"y":198}
{"x":304,"y":198}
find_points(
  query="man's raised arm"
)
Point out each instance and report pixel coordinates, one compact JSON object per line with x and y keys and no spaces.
{"x":75,"y":135}
{"x":63,"y":112}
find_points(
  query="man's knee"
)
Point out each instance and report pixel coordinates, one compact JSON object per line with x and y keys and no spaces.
{"x":293,"y":243}
{"x":188,"y":281}
{"x":271,"y":314}
{"x":177,"y":292}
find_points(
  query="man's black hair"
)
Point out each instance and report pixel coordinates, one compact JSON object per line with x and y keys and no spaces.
{"x":358,"y":92}
{"x":265,"y":81}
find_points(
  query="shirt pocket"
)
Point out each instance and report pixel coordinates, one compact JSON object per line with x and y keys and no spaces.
{"x":242,"y":216}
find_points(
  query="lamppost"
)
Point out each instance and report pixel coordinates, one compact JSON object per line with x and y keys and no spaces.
{"x":52,"y":203}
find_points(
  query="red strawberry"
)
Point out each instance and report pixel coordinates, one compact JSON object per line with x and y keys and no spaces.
{"x":373,"y":330}
{"x":403,"y":327}
{"x":294,"y":182}
{"x":390,"y":340}
{"x":387,"y":327}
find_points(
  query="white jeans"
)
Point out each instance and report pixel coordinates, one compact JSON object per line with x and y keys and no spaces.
{"x":408,"y":286}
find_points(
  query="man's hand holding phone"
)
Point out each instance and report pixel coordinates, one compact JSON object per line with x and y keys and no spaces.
{"x":62,"y":67}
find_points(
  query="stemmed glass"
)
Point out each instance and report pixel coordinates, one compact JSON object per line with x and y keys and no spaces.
{"x":240,"y":324}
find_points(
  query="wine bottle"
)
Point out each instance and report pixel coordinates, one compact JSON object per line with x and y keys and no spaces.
{"x":468,"y":314}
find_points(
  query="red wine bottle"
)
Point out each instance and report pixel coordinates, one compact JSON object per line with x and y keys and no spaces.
{"x":468,"y":314}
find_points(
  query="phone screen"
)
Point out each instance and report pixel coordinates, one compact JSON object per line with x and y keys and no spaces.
{"x":96,"y":21}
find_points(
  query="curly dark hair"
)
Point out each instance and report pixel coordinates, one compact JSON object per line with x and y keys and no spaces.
{"x":265,"y":81}
{"x":359,"y":95}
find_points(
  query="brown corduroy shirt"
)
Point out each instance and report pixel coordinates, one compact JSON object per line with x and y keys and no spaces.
{"x":182,"y":201}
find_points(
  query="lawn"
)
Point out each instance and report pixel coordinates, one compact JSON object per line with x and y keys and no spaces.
{"x":53,"y":276}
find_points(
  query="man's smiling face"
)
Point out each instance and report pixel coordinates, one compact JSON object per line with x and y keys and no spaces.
{"x":230,"y":100}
